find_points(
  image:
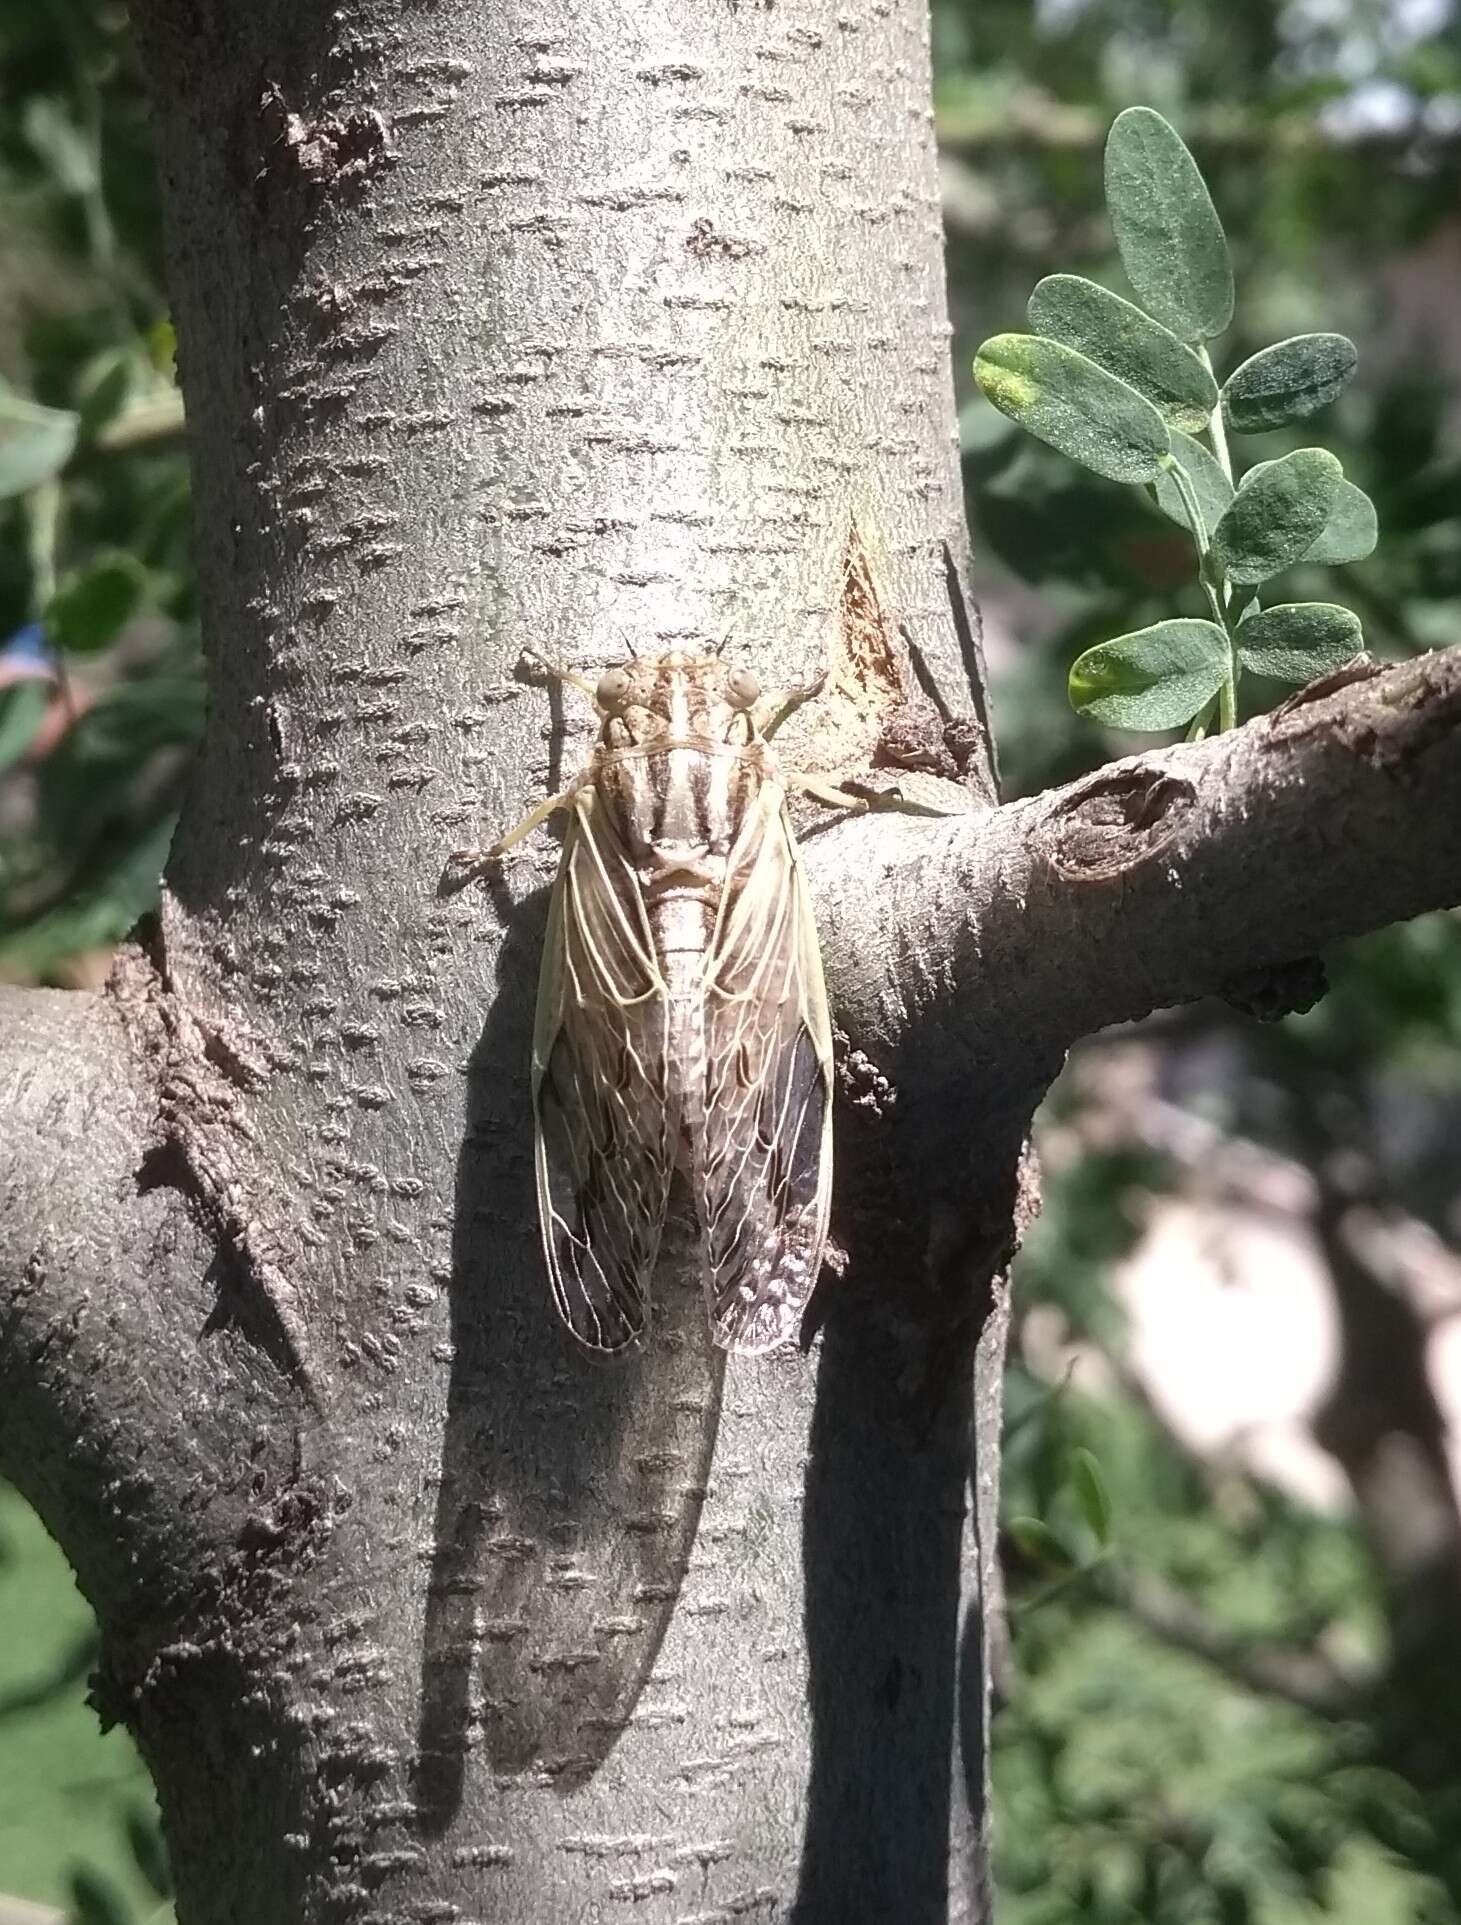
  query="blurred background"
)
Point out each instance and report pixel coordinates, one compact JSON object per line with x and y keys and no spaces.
{"x":1232,"y":1686}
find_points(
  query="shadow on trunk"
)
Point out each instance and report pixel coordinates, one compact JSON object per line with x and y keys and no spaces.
{"x":569,"y":1491}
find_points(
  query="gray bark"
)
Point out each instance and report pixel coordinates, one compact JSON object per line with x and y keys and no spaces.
{"x":500,"y":326}
{"x":505,"y":328}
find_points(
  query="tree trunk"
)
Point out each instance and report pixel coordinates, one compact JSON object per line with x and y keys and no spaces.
{"x":505,"y":328}
{"x":500,"y":326}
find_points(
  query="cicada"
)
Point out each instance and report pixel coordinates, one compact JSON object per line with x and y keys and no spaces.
{"x":682,"y":1024}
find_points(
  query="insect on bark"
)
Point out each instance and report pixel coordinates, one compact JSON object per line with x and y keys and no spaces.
{"x":682,"y":1017}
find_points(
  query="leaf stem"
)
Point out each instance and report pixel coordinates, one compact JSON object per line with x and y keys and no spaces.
{"x":1183,"y":485}
{"x":44,"y":508}
{"x":1198,"y":527}
{"x":1216,"y":432}
{"x":1057,"y":1587}
{"x":1225,"y":603}
{"x":43,"y":521}
{"x":158,"y":418}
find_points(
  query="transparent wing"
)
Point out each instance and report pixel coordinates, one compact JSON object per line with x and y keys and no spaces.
{"x":601,"y":1091}
{"x":763,"y":1158}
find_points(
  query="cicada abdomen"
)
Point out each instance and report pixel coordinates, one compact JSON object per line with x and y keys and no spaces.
{"x":682,"y":1022}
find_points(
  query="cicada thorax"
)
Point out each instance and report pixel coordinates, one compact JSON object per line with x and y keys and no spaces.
{"x":679,"y":774}
{"x":682,"y":1018}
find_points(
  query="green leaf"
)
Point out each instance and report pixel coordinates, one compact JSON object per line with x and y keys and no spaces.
{"x":1171,"y":240}
{"x":145,"y":1838}
{"x":23,"y":708}
{"x":1039,"y":1543}
{"x":1127,"y":343}
{"x":1064,"y":399}
{"x":104,"y":388}
{"x":1288,"y":381}
{"x":1154,"y":678}
{"x":35,"y":443}
{"x":1295,"y":641}
{"x":1092,"y":1493}
{"x":1277,"y":514}
{"x":100,"y":909}
{"x":1423,"y":498}
{"x":1211,"y":486}
{"x":92,"y":609}
{"x":1351,"y":530}
{"x":66,"y":149}
{"x":161,"y":341}
{"x":95,"y":1901}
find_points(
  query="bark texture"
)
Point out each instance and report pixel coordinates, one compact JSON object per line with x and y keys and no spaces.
{"x":500,"y":326}
{"x":507,"y":327}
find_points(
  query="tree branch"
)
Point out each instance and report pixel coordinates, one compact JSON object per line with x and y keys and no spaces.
{"x":1035,"y":122}
{"x":984,"y":945}
{"x":110,"y":1404}
{"x":1305,"y":1679}
{"x":966,"y":956}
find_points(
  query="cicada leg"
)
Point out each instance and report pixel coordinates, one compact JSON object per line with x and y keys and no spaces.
{"x":532,"y":659}
{"x":912,"y":793}
{"x":789,"y":701}
{"x":817,"y":789}
{"x":464,"y":865}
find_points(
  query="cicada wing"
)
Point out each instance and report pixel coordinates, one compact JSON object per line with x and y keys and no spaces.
{"x":601,"y":1091}
{"x":763,"y":1164}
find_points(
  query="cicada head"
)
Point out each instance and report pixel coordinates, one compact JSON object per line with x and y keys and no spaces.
{"x":678,"y":700}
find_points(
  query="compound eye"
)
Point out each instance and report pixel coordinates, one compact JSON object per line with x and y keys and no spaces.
{"x":742,"y":688}
{"x":613,"y":688}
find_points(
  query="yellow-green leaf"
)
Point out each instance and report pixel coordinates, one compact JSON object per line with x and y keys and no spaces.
{"x":1068,"y":401}
{"x":1040,"y":1544}
{"x":1153,"y":678}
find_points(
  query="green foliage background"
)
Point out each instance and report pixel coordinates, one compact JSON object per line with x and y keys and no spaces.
{"x":78,"y":1822}
{"x":1155,"y":1761}
{"x":1143,"y":1776}
{"x":99,"y":553}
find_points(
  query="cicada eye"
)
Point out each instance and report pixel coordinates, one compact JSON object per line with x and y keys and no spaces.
{"x":613,"y":688}
{"x":743,"y":688}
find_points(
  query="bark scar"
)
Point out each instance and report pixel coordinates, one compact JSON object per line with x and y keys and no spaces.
{"x":202,"y":1135}
{"x":335,"y":151}
{"x":705,"y":243}
{"x":1415,"y":707}
{"x":1116,"y":822}
{"x":1293,"y":718}
{"x":884,"y":709}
